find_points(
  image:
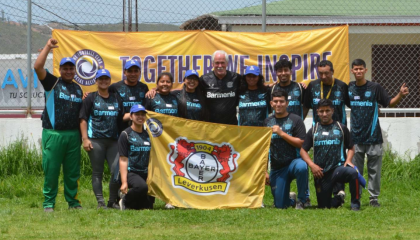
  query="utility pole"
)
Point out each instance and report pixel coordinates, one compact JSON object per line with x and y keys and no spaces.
{"x":123,"y":21}
{"x":130,"y":19}
{"x":137,"y":18}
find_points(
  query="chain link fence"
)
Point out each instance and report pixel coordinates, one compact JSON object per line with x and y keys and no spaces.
{"x":385,"y":33}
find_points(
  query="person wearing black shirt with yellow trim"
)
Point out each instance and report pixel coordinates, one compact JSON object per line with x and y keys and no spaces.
{"x":365,"y":97}
{"x":327,"y":87}
{"x":164,"y":102}
{"x":134,"y":148}
{"x":330,"y":140}
{"x":100,"y":116}
{"x":60,"y":134}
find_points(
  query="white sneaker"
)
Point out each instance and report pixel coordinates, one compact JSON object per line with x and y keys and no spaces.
{"x":169,"y":206}
{"x":292,"y":196}
{"x":341,"y":195}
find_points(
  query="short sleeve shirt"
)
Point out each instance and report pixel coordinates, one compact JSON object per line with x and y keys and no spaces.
{"x":62,"y":104}
{"x":364,"y":119}
{"x":221,"y":96}
{"x":338,"y":96}
{"x":295,"y":94}
{"x":330,"y":143}
{"x":165,"y":104}
{"x":136,"y":147}
{"x":192,"y":103}
{"x":253,"y":106}
{"x":102,"y":115}
{"x":281,"y":152}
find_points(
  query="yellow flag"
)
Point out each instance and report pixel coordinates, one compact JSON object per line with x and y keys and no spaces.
{"x":204,"y":165}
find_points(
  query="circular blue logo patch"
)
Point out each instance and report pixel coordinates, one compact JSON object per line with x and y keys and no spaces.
{"x":88,"y":62}
{"x":155,"y":127}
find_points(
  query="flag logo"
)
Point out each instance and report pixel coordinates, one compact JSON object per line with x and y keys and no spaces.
{"x":202,"y":168}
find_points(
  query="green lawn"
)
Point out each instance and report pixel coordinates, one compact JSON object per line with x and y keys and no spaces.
{"x":22,"y":216}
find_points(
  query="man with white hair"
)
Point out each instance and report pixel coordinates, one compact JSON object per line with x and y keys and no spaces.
{"x":221,"y":90}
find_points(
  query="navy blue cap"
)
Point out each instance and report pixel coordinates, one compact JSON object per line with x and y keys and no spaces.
{"x":137,"y":108}
{"x":67,"y":60}
{"x":252,"y":70}
{"x":131,"y":63}
{"x":191,"y":73}
{"x":102,"y":72}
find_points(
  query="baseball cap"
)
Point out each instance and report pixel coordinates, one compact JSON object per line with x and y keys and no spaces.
{"x":67,"y":60}
{"x":137,"y":108}
{"x":191,"y":73}
{"x":252,"y":70}
{"x":102,"y":72}
{"x":131,"y":63}
{"x":362,"y":180}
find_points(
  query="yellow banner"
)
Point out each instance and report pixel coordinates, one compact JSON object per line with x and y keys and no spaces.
{"x":204,"y":165}
{"x":177,"y":52}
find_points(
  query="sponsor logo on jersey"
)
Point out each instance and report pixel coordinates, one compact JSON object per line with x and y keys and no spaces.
{"x":122,"y":94}
{"x":155,"y":127}
{"x":202,"y":168}
{"x":98,"y":104}
{"x":337,"y":93}
{"x":252,"y":104}
{"x":327,"y":142}
{"x":317,"y":94}
{"x":88,"y":62}
{"x":368,"y":93}
{"x":63,"y":87}
{"x":133,"y":139}
{"x":361,"y":103}
{"x":242,"y":96}
{"x":261,"y":96}
{"x":350,"y":94}
{"x":157,"y":102}
{"x":221,"y":95}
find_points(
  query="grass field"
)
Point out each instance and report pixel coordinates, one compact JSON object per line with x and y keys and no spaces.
{"x":22,"y":216}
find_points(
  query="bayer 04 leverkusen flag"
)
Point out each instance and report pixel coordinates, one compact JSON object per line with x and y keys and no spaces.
{"x":202,"y":165}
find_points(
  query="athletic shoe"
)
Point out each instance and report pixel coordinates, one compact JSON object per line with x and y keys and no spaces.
{"x":121,"y":203}
{"x":355,"y":209}
{"x":262,"y":205}
{"x":300,"y":205}
{"x":48,"y":209}
{"x":76,"y":208}
{"x":113,"y":205}
{"x":374,"y":203}
{"x":307,"y":203}
{"x":292,"y":196}
{"x":341,"y":195}
{"x":169,"y":206}
{"x":101,"y":205}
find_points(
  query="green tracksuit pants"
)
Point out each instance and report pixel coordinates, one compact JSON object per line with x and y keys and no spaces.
{"x":61,"y":147}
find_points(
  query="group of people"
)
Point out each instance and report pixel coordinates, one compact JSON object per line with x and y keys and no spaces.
{"x":109,"y":125}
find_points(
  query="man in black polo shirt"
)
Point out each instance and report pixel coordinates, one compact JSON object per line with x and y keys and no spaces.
{"x":365,"y":97}
{"x":331,"y":164}
{"x":60,"y":136}
{"x":221,"y":90}
{"x":327,"y":87}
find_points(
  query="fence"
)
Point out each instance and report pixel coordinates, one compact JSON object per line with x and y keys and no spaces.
{"x":385,"y":33}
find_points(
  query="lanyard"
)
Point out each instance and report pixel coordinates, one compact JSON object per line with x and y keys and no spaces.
{"x":329,"y":92}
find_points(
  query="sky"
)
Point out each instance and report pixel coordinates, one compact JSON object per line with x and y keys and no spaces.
{"x":111,"y":11}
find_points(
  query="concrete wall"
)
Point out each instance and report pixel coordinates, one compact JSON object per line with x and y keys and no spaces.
{"x":400,"y":134}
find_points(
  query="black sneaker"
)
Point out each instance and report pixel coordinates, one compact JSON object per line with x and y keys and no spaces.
{"x":48,"y":209}
{"x":101,"y":205}
{"x":374,"y":203}
{"x":341,"y":195}
{"x":113,"y":205}
{"x":76,"y":208}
